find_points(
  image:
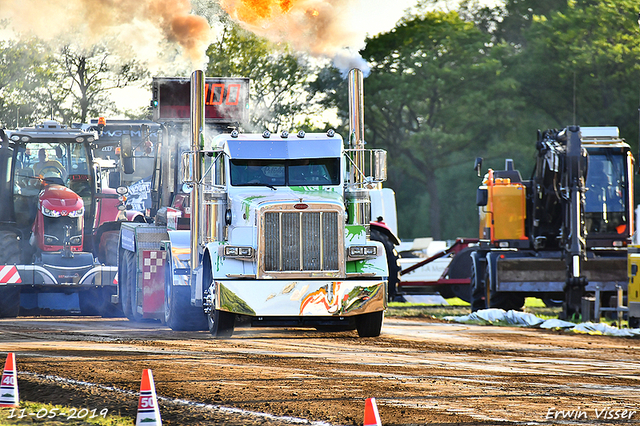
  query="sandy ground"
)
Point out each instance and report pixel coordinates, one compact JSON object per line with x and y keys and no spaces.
{"x":419,"y":371}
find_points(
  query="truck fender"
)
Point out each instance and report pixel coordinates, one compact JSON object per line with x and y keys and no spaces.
{"x":383,"y":228}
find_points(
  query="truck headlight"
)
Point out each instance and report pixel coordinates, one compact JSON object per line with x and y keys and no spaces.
{"x":363,"y":251}
{"x":243,"y":252}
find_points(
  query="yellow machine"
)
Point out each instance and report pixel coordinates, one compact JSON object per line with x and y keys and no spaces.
{"x":563,"y":233}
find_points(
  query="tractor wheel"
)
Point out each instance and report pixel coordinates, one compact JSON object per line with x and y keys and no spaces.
{"x":370,"y":325}
{"x":392,"y":261}
{"x":108,"y":248}
{"x":89,"y":302}
{"x":179,"y":315}
{"x":220,"y":323}
{"x":97,"y":301}
{"x":9,"y":294}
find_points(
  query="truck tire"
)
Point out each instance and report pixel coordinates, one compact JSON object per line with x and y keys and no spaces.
{"x":392,"y":262}
{"x":179,"y":314}
{"x":461,"y":267}
{"x":9,"y":294}
{"x":122,"y":279}
{"x":220,"y":323}
{"x":370,"y":325}
{"x":128,"y":294}
{"x":503,"y":299}
{"x":478,"y":292}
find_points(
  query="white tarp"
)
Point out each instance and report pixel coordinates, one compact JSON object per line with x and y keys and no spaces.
{"x":493,"y":315}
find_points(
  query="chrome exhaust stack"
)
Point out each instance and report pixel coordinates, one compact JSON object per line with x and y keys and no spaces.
{"x":356,"y":124}
{"x":197,"y":144}
{"x":356,"y":195}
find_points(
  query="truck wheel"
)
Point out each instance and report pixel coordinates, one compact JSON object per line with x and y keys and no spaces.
{"x":634,"y":322}
{"x":179,"y":315}
{"x":502,"y":299}
{"x":392,"y":261}
{"x":9,"y":294}
{"x":460,"y":267}
{"x":220,"y":323}
{"x":123,"y":274}
{"x":369,"y":325}
{"x":128,"y":286}
{"x":478,"y":300}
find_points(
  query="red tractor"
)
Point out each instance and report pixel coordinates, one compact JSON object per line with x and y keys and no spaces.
{"x":57,"y":226}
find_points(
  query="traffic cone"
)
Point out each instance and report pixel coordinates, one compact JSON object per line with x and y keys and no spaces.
{"x":371,"y":416}
{"x":9,"y":384}
{"x":148,"y":411}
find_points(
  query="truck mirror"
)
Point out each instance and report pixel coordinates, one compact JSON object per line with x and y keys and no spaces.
{"x":126,"y":154}
{"x":478,"y":165}
{"x":380,"y":168}
{"x":187,"y":167}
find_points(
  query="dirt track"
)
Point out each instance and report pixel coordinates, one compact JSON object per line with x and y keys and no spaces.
{"x":420,"y":372}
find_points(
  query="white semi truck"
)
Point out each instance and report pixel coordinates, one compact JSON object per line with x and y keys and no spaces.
{"x":278,"y":231}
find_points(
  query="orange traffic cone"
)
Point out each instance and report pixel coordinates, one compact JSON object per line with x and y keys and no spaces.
{"x":371,"y":416}
{"x":148,"y":411}
{"x":9,"y":384}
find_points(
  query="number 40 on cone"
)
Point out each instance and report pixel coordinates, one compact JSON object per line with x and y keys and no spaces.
{"x":9,"y":384}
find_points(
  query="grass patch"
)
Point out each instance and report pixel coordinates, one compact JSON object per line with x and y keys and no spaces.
{"x":52,"y":415}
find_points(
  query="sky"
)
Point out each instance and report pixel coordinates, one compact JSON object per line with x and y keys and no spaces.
{"x":166,"y":36}
{"x":373,"y":17}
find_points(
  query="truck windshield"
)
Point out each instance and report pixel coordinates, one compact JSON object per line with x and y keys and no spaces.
{"x":297,"y":172}
{"x":606,"y":197}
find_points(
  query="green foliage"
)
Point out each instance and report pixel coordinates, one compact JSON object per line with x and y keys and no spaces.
{"x":88,"y":74}
{"x":25,"y":75}
{"x":278,"y":77}
{"x":38,"y":82}
{"x":435,"y":99}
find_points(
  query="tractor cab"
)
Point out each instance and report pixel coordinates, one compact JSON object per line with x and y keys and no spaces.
{"x":52,"y":185}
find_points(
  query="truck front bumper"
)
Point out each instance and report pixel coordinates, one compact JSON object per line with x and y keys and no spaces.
{"x":301,"y":298}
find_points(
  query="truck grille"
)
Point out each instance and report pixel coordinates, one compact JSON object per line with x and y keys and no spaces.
{"x":301,"y":241}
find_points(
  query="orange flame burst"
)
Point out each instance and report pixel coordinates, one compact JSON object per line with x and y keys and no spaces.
{"x":94,"y":20}
{"x":314,"y":26}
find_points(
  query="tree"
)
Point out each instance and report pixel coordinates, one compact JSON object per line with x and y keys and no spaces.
{"x":24,"y":75}
{"x":278,"y":76}
{"x":582,"y":66}
{"x":90,"y":73}
{"x":435,"y":96}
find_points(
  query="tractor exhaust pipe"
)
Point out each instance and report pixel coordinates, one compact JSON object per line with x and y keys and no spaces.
{"x":197,"y":144}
